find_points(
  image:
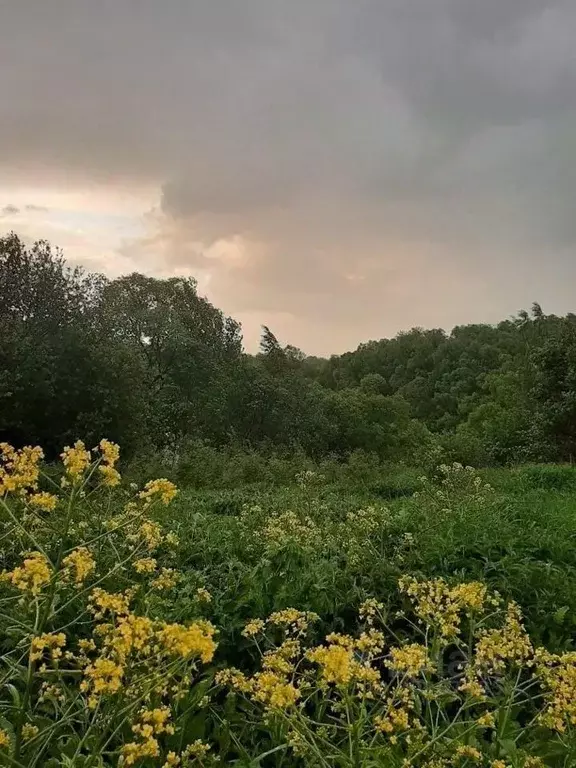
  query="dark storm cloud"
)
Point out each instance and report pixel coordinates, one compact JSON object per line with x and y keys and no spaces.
{"x":357,"y":147}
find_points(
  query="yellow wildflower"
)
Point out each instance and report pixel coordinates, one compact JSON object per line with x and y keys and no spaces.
{"x":292,"y":620}
{"x":110,"y":476}
{"x":486,"y":720}
{"x":203,"y":596}
{"x":464,"y":751}
{"x":145,"y":565}
{"x":337,"y":663}
{"x":395,"y":720}
{"x":272,"y":690}
{"x":75,"y":459}
{"x":194,"y":640}
{"x":172,"y":760}
{"x":78,"y":565}
{"x":411,"y":659}
{"x":43,"y":500}
{"x":101,"y":677}
{"x":163,"y":488}
{"x":4,"y":739}
{"x":197,"y":749}
{"x":19,"y":470}
{"x":32,"y":575}
{"x":167,"y":579}
{"x":151,"y":533}
{"x":154,"y":721}
{"x":103,"y":602}
{"x":254,"y":627}
{"x":48,"y":641}
{"x":134,"y":751}
{"x":508,"y":644}
{"x":558,"y":676}
{"x":110,"y":452}
{"x":29,"y":731}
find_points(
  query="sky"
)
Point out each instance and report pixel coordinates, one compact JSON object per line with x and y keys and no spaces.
{"x":337,"y":170}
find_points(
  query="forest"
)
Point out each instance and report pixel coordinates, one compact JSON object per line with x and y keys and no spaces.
{"x":157,"y":368}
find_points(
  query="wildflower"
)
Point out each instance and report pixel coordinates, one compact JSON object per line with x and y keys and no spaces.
{"x":101,"y":677}
{"x":172,"y":760}
{"x":197,"y":748}
{"x":163,"y":488}
{"x":151,"y":533}
{"x":4,"y":739}
{"x":272,"y":690}
{"x":134,"y":751}
{"x":32,"y":575}
{"x":253,"y":627}
{"x":395,"y":720}
{"x":558,"y":676}
{"x":499,"y":764}
{"x":78,"y":565}
{"x":472,"y":686}
{"x":510,"y":643}
{"x":369,"y":610}
{"x":75,"y":459}
{"x":145,"y":565}
{"x":486,"y":720}
{"x":110,"y":476}
{"x":167,"y":579}
{"x":534,"y":762}
{"x":43,"y":500}
{"x":234,"y":678}
{"x":47,"y":641}
{"x":154,"y":721}
{"x":464,"y":751}
{"x":172,"y":539}
{"x":292,"y":620}
{"x":110,"y":452}
{"x":19,"y":470}
{"x":203,"y":596}
{"x":194,"y":640}
{"x":103,"y":602}
{"x":336,"y":661}
{"x":371,"y":642}
{"x":411,"y":659}
{"x":29,"y":731}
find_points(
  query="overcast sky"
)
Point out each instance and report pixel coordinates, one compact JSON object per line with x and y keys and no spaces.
{"x":337,"y":169}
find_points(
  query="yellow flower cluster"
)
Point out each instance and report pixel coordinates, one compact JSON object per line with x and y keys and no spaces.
{"x":47,"y":642}
{"x":4,"y":739}
{"x":167,"y":579}
{"x":152,"y":723}
{"x":145,"y":565}
{"x":78,"y":565}
{"x":558,"y":677}
{"x":29,"y":731}
{"x":292,"y":620}
{"x":103,"y":602}
{"x":43,"y":500}
{"x":411,"y":659}
{"x":75,"y":459}
{"x":203,"y":596}
{"x":110,"y":455}
{"x":197,"y":639}
{"x":34,"y":573}
{"x":102,"y":677}
{"x":466,"y":752}
{"x":288,"y":528}
{"x":273,"y":690}
{"x":161,"y":488}
{"x":439,"y":605}
{"x":19,"y":470}
{"x":510,"y":644}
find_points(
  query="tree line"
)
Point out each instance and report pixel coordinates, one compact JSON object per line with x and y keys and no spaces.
{"x":153,"y":365}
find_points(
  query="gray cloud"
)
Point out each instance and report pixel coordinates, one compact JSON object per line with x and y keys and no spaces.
{"x":9,"y":210}
{"x":386,"y":163}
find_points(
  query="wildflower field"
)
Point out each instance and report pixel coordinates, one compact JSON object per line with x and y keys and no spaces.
{"x":151,"y":625}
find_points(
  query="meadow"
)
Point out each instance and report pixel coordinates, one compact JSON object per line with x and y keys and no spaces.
{"x":368,"y":617}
